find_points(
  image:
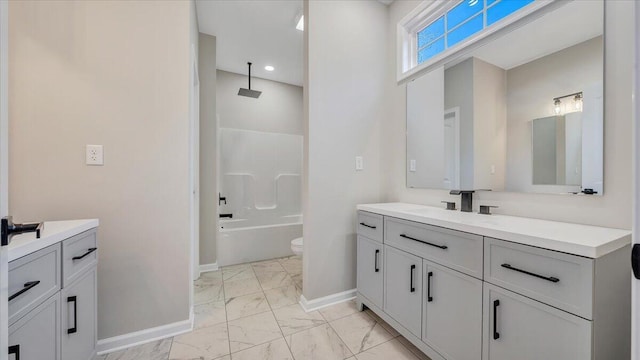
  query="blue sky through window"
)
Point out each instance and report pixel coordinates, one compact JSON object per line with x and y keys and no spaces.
{"x":464,"y":20}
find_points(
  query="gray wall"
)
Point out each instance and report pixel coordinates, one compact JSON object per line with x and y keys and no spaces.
{"x":208,"y":149}
{"x":77,"y":79}
{"x":530,"y":90}
{"x":458,"y":90}
{"x":613,"y":209}
{"x":278,"y":109}
{"x":490,"y":125}
{"x":346,"y":99}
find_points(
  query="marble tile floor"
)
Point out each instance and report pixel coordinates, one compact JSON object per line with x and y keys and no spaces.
{"x":251,"y":312}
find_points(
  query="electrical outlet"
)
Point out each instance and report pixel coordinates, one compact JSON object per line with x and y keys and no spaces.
{"x":359,"y":163}
{"x":412,"y":165}
{"x":94,"y":155}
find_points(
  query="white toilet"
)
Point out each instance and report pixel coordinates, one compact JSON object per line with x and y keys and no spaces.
{"x":296,"y":246}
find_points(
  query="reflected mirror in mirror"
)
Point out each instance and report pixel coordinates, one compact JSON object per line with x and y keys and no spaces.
{"x":521,"y":113}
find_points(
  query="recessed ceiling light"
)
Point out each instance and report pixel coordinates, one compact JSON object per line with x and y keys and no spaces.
{"x":269,"y":68}
{"x":300,"y":25}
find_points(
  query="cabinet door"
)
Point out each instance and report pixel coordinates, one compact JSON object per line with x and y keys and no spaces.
{"x":403,"y":288}
{"x":452,"y":319}
{"x":517,"y":327}
{"x":370,"y":270}
{"x":36,"y":336}
{"x":79,"y":331}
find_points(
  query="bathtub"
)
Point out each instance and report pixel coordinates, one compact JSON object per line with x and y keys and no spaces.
{"x":247,"y":240}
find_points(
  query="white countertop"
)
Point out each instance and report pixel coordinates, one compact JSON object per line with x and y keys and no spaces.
{"x":583,"y":240}
{"x":53,"y":232}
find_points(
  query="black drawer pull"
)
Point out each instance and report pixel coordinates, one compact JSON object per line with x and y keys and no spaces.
{"x":369,"y":226}
{"x":15,"y":350}
{"x":412,"y":289}
{"x":496,"y":334}
{"x":27,"y":286}
{"x":84,"y":255}
{"x":548,"y":278}
{"x":443,"y":247}
{"x":429,"y":276}
{"x":74,"y":300}
{"x":375,"y":264}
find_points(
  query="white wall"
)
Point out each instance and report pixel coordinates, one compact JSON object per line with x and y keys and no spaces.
{"x":425,"y":121}
{"x":346,"y":98}
{"x":116,"y":74}
{"x":208,"y":149}
{"x":613,"y":209}
{"x":278,"y":109}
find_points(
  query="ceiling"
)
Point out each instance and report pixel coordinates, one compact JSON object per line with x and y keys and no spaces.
{"x":263,"y":32}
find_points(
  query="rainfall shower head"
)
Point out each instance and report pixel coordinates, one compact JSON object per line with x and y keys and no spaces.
{"x":248,"y":92}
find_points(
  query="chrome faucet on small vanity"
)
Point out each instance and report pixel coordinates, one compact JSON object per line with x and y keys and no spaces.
{"x":466,"y":202}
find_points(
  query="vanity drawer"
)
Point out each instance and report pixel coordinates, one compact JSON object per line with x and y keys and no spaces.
{"x":79,"y":253}
{"x":33,"y":279}
{"x":370,"y":225}
{"x":454,"y":249}
{"x":557,"y":279}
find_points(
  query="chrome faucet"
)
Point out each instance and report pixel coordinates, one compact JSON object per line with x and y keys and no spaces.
{"x":466,"y":203}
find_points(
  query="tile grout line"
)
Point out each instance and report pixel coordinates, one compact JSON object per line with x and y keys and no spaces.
{"x":274,"y":316}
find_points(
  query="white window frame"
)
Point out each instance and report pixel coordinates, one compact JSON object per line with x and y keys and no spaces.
{"x":429,"y":11}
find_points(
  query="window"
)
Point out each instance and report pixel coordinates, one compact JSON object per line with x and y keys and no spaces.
{"x":459,"y":22}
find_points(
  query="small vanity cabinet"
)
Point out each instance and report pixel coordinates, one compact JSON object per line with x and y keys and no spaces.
{"x":53,"y":301}
{"x":463,"y":295}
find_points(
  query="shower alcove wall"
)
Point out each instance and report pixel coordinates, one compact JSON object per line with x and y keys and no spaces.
{"x":260,"y":177}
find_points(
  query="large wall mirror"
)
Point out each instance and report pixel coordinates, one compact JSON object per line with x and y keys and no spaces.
{"x":521,"y":112}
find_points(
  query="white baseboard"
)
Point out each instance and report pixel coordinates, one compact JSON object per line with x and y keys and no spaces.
{"x":315,"y":304}
{"x":208,"y":267}
{"x":121,"y":342}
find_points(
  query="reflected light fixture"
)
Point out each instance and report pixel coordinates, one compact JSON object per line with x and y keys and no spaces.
{"x":577,"y":103}
{"x":269,"y":68}
{"x":300,"y":23}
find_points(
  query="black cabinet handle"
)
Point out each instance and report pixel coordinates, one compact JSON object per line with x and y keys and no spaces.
{"x":429,"y":276}
{"x":375,"y":264}
{"x":15,"y":350}
{"x":496,"y":334}
{"x":412,"y":289}
{"x":369,"y":226}
{"x":74,"y":300}
{"x":443,"y":247}
{"x":27,"y":286}
{"x":84,"y":255}
{"x":548,"y":278}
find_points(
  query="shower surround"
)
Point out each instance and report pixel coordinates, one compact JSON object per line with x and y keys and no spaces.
{"x":260,"y":177}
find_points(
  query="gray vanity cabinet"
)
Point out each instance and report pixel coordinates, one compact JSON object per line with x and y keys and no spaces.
{"x":403,"y":288}
{"x":53,"y":302}
{"x":370,"y":269}
{"x":517,"y":327}
{"x":79,"y":334}
{"x":461,"y":296}
{"x":37,"y":334}
{"x":452,"y":313}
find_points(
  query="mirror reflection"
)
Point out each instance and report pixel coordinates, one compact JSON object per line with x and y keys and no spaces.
{"x":522,"y":113}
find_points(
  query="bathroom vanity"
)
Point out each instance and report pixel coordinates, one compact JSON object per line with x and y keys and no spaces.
{"x":53,"y":292}
{"x":464,"y":286}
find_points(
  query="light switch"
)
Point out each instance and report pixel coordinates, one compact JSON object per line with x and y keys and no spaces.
{"x":412,"y":165}
{"x":493,"y":169}
{"x":359,"y":163}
